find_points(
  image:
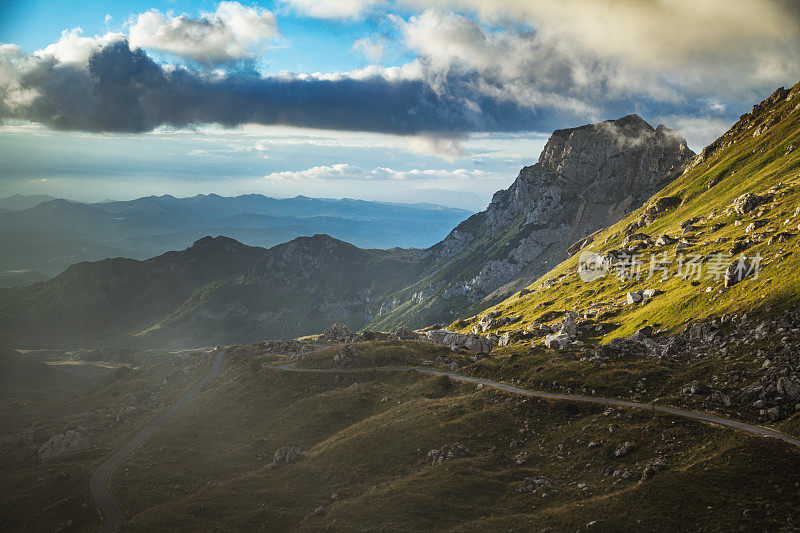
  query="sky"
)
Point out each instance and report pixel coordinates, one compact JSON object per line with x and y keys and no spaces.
{"x":441,"y":101}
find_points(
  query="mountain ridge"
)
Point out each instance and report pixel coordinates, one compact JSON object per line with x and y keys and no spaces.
{"x":300,"y":286}
{"x":587,"y":177}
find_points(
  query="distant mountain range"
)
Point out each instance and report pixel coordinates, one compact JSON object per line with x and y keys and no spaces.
{"x":221,"y":291}
{"x":22,"y":201}
{"x":41,"y":236}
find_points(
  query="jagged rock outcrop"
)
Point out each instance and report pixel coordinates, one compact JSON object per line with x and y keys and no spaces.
{"x":586,"y":178}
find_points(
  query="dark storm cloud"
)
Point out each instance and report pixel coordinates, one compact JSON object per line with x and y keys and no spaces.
{"x":124,"y":90}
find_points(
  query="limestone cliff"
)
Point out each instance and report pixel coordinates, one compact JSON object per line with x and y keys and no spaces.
{"x":587,"y":178}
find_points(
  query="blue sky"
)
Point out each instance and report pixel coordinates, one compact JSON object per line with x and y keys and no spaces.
{"x":439,"y":101}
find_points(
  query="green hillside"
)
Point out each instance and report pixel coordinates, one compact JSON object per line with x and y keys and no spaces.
{"x":757,"y":155}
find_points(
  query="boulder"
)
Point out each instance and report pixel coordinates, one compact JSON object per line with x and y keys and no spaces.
{"x":558,"y":341}
{"x":696,"y":387}
{"x":747,"y":202}
{"x":634,"y":297}
{"x":64,"y":444}
{"x":737,"y":271}
{"x":339,"y":333}
{"x":346,"y":355}
{"x":651,"y":293}
{"x":447,"y":452}
{"x":643,"y":333}
{"x":635,"y":238}
{"x":568,"y":325}
{"x":664,"y":203}
{"x":513,"y":337}
{"x":665,"y":240}
{"x":651,"y":469}
{"x":404,"y":332}
{"x":469,"y":342}
{"x":127,"y":412}
{"x":581,"y":244}
{"x":624,"y":449}
{"x":789,"y":388}
{"x":539,"y":330}
{"x":689,"y":223}
{"x":287,"y":454}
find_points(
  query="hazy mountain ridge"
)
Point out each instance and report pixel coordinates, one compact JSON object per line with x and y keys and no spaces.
{"x":54,"y":234}
{"x":216,"y":290}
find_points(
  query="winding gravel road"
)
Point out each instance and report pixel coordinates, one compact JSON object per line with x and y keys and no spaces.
{"x":99,"y":483}
{"x":693,"y":415}
{"x":113,"y":516}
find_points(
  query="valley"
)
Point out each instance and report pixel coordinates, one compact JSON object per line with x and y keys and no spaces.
{"x":317,"y":385}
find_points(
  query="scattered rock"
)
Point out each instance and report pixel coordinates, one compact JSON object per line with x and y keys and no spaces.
{"x":665,"y":240}
{"x":651,"y":293}
{"x":747,"y":202}
{"x":446,"y":453}
{"x":403,"y":332}
{"x":643,"y":333}
{"x":346,"y":355}
{"x":558,"y":341}
{"x":664,"y":203}
{"x":696,"y":387}
{"x":624,"y":449}
{"x":634,"y":297}
{"x":64,"y":444}
{"x":339,"y":333}
{"x":737,"y":271}
{"x":287,"y":454}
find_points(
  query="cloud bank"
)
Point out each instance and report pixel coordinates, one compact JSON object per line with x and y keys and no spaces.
{"x":501,"y":66}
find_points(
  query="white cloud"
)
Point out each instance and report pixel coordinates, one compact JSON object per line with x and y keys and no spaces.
{"x":371,"y":48}
{"x":430,"y":174}
{"x":332,"y":9}
{"x":699,"y":132}
{"x":229,"y":34}
{"x":75,"y":49}
{"x":714,"y":45}
{"x":445,"y":147}
{"x":319,"y":173}
{"x":345,"y":171}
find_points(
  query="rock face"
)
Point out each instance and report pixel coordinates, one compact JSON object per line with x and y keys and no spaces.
{"x":586,"y":178}
{"x":64,"y":444}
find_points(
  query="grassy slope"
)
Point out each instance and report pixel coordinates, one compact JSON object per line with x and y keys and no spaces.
{"x":45,"y":496}
{"x":367,"y":435}
{"x":749,"y":163}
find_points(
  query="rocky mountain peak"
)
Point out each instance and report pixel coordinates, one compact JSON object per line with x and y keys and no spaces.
{"x":585,"y":151}
{"x":586,"y":178}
